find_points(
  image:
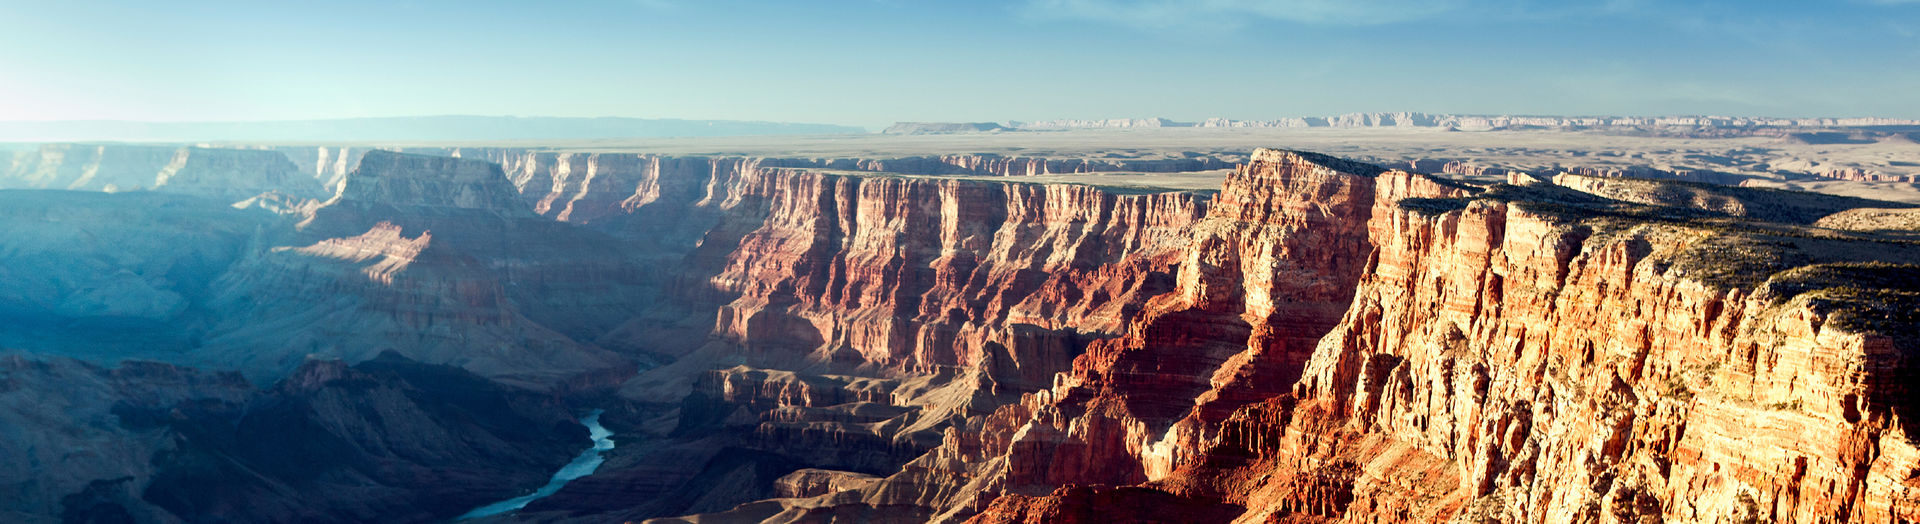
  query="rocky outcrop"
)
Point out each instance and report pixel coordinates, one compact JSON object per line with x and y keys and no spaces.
{"x":227,"y":174}
{"x":1857,"y":174}
{"x":429,"y":182}
{"x":88,"y":167}
{"x":1768,"y":205}
{"x":815,"y":482}
{"x":233,"y":174}
{"x":1901,"y":221}
{"x":1090,"y":505}
{"x":1691,"y":175}
{"x":439,"y":259}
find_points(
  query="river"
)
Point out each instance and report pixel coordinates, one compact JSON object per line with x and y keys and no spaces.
{"x":581,"y":466}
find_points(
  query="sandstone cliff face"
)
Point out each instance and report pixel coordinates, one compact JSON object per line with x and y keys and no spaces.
{"x":915,"y":274}
{"x":1511,"y":360}
{"x":1575,"y":372}
{"x":996,"y":165}
{"x":1271,"y":269}
{"x":1498,"y":357}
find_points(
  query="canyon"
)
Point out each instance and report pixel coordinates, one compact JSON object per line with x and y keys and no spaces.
{"x":404,"y":333}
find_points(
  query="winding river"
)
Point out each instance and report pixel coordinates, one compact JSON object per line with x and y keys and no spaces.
{"x":581,"y":466}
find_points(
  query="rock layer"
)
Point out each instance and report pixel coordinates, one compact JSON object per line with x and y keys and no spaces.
{"x":1516,"y":359}
{"x":228,"y":174}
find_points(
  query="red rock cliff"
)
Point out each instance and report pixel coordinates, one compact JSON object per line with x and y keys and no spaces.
{"x":1535,"y":357}
{"x":914,"y":274}
{"x":1350,"y":344}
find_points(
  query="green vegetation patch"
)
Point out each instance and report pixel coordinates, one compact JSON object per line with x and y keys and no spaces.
{"x":1869,"y":297}
{"x":1728,"y":260}
{"x":1434,"y":206}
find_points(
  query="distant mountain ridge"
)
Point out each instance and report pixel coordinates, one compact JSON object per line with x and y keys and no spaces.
{"x":1410,"y":119}
{"x":423,"y":128}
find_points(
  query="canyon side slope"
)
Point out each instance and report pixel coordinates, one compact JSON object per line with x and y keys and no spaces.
{"x":933,"y":338}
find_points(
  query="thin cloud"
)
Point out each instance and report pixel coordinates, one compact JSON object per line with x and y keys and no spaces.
{"x":1165,"y":13}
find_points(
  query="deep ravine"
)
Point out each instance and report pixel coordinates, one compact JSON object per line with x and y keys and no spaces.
{"x":583,"y":465}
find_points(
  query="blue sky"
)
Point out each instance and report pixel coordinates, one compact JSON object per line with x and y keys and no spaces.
{"x":872,"y":62}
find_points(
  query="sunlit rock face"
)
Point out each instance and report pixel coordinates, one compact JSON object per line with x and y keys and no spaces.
{"x":1545,"y":357}
{"x":1349,"y":343}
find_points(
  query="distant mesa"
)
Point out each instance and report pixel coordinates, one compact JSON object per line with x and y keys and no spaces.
{"x":942,"y":128}
{"x":1447,"y":122}
{"x":1110,"y":123}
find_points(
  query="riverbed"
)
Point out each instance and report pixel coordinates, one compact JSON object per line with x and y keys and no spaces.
{"x":583,"y":465}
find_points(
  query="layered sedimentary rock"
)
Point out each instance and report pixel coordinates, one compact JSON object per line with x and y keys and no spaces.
{"x":1579,"y":374}
{"x":1521,"y":356}
{"x":1322,"y":340}
{"x":996,"y":165}
{"x":233,"y":174}
{"x":228,"y":174}
{"x":88,"y":167}
{"x":1530,"y":356}
{"x":1260,"y":271}
{"x":437,"y":258}
{"x":328,"y":165}
{"x":915,"y":274}
{"x":590,"y":187}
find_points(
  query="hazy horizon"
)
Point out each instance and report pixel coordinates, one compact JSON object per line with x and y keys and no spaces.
{"x":874,"y":62}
